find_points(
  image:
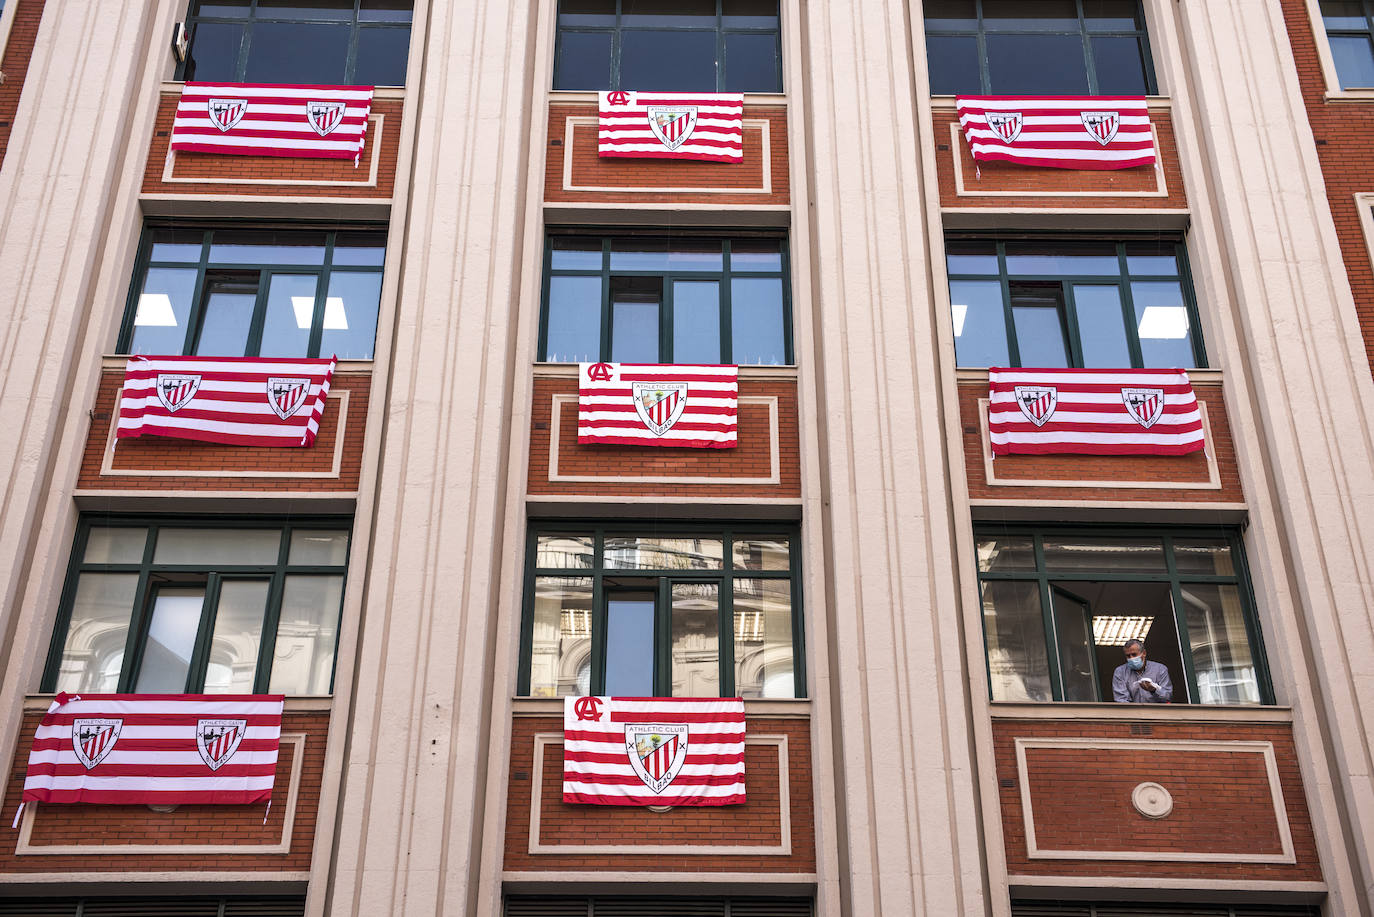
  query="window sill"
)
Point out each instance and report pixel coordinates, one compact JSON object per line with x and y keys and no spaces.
{"x":976,"y":374}
{"x":379,"y":92}
{"x":569,"y":370}
{"x":770,"y":707}
{"x":750,"y":98}
{"x":946,"y":102}
{"x":1349,"y":95}
{"x":1171,"y":713}
{"x":294,"y":703}
{"x":118,"y":361}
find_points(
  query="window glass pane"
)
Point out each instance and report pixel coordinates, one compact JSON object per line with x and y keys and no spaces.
{"x":1204,"y":556}
{"x":695,"y":255}
{"x":953,"y":63}
{"x":761,"y":553}
{"x":1014,"y":632}
{"x":1036,"y":15}
{"x":227,"y":315}
{"x":1120,"y":65}
{"x":1112,"y":555}
{"x":695,"y":651}
{"x":586,"y":12}
{"x":214,"y":52}
{"x":1354,"y":57}
{"x":696,"y":321}
{"x":171,"y":245}
{"x":108,"y":545}
{"x":1114,"y":15}
{"x":233,"y":661}
{"x":1006,"y":554}
{"x":959,"y":262}
{"x":297,"y":52}
{"x":350,"y":315}
{"x":763,"y":638}
{"x":163,"y":311}
{"x":755,"y":255}
{"x":630,"y":646}
{"x":751,"y":62}
{"x":1037,"y":64}
{"x":382,"y":56}
{"x":385,"y":11}
{"x":166,"y":658}
{"x":1343,"y":14}
{"x":678,"y":14}
{"x":584,"y":61}
{"x":225,"y":8}
{"x":235,"y":246}
{"x":575,"y":254}
{"x":290,"y":313}
{"x":1074,"y":636}
{"x":639,"y":255}
{"x":950,"y":14}
{"x":749,"y":14}
{"x":307,"y":632}
{"x":318,"y":548}
{"x":1101,"y":326}
{"x":1041,"y":260}
{"x":676,"y":60}
{"x":564,"y":551}
{"x":634,"y":552}
{"x":980,"y":324}
{"x":1150,"y":259}
{"x":634,"y":329}
{"x":561,"y":648}
{"x":341,"y":10}
{"x":1039,"y":329}
{"x":1162,"y":321}
{"x":209,"y":548}
{"x":757,"y":321}
{"x":359,"y":248}
{"x":574,"y":331}
{"x":94,"y":650}
{"x":1222,"y":659}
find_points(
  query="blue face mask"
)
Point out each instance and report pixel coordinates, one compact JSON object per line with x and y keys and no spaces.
{"x":1136,"y":662}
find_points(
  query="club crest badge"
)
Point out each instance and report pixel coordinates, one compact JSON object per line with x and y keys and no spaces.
{"x":1102,"y":125}
{"x":287,"y":395}
{"x":175,"y":390}
{"x":657,"y":752}
{"x":225,"y":113}
{"x":1006,"y":124}
{"x":1145,"y":405}
{"x":217,"y":740}
{"x":1037,"y":402}
{"x":659,"y":404}
{"x":94,"y":738}
{"x":672,"y":124}
{"x":324,"y":116}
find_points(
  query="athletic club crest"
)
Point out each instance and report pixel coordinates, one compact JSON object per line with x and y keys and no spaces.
{"x":659,"y":404}
{"x":94,"y":738}
{"x":1101,"y":125}
{"x":1145,"y":405}
{"x":1006,"y":124}
{"x":217,"y":740}
{"x":672,"y":124}
{"x":175,"y":390}
{"x":324,"y":116}
{"x":1037,"y":402}
{"x":657,"y":752}
{"x":225,"y":113}
{"x":287,"y":395}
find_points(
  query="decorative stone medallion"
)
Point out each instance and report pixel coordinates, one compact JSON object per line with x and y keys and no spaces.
{"x":1152,"y":800}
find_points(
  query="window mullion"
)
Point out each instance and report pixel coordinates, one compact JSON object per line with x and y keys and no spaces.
{"x":1009,"y":316}
{"x":1070,"y":323}
{"x":1047,"y":617}
{"x":665,"y":319}
{"x":200,"y":652}
{"x":663,"y":639}
{"x":984,"y":68}
{"x":1089,"y":64}
{"x":606,"y":299}
{"x":1128,"y":310}
{"x":600,"y":616}
{"x":725,"y":612}
{"x":726,"y":310}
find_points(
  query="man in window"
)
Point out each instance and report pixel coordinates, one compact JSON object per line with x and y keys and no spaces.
{"x":1139,"y":681}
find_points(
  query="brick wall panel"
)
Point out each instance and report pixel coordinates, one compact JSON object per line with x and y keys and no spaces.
{"x":15,"y":64}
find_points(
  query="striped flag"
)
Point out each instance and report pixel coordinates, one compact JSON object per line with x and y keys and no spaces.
{"x":241,"y":401}
{"x":672,"y":125}
{"x":128,"y":749}
{"x":1093,"y":412}
{"x":648,"y":404}
{"x":653,"y":751}
{"x":260,"y":119}
{"x":1063,"y":132}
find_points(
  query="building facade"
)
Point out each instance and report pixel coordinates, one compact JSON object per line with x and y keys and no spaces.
{"x":924,"y":636}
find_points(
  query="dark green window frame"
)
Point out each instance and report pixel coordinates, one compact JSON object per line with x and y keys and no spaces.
{"x":1365,"y":32}
{"x":616,"y":31}
{"x":214,"y":575}
{"x":981,"y":34}
{"x":724,"y":577}
{"x":1185,"y":682}
{"x":957,"y":244}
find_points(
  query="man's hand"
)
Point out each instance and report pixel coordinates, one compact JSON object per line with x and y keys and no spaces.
{"x":1148,"y":685}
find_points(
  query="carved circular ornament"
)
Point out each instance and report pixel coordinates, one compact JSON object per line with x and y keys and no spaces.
{"x":1152,"y":800}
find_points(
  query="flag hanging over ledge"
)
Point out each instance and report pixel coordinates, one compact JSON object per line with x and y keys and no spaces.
{"x":1062,"y":132}
{"x":130,"y":749}
{"x":650,"y":404}
{"x":261,"y":119}
{"x":1093,"y":412}
{"x":672,"y":125}
{"x":239,"y":401}
{"x":653,"y":751}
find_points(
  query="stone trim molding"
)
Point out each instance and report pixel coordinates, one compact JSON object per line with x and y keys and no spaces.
{"x":763,"y":125}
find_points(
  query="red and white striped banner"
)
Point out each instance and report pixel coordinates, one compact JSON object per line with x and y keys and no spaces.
{"x":653,"y":751}
{"x":1063,"y":132}
{"x":241,"y":401}
{"x":651,"y":404}
{"x":672,"y":125}
{"x":1093,"y":412}
{"x":127,"y":749}
{"x":260,"y":119}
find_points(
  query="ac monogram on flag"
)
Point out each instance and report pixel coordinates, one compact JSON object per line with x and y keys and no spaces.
{"x":1064,"y":132}
{"x":650,"y":404}
{"x":261,"y":119}
{"x":672,"y":125}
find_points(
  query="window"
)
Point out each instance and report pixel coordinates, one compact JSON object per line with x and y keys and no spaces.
{"x":1060,"y":603}
{"x":660,"y":905}
{"x":685,"y":45}
{"x":1350,"y":33}
{"x":225,"y":607}
{"x":655,"y":300}
{"x":161,"y":906}
{"x":1038,"y":47}
{"x":675,"y":611}
{"x":1063,"y":303}
{"x":355,"y":42}
{"x":252,"y":292}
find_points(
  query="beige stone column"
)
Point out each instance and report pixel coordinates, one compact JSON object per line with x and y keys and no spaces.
{"x":409,"y":830}
{"x":906,"y":794}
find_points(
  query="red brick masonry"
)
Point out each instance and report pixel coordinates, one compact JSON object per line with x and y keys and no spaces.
{"x":15,"y":64}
